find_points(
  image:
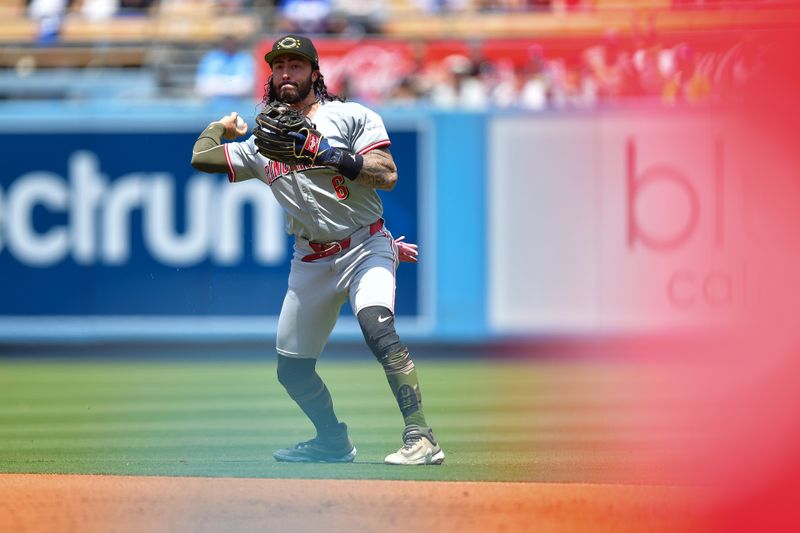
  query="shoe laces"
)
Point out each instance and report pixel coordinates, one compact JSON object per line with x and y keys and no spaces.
{"x":318,"y":440}
{"x":306,"y":443}
{"x":411,"y":439}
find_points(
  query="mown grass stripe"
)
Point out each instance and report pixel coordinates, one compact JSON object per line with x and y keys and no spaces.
{"x":513,"y":421}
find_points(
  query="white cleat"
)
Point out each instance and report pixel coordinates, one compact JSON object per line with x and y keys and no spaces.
{"x":419,"y":448}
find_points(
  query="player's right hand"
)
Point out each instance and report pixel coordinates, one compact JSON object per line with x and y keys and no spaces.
{"x":234,"y":126}
{"x":406,"y":251}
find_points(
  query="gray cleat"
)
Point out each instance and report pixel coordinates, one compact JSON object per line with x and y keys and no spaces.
{"x":321,"y":449}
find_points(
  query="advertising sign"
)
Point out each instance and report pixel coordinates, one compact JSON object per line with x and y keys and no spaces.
{"x":620,"y":224}
{"x":118,"y":224}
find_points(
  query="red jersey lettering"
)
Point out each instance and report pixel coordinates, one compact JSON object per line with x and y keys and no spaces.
{"x":275,"y":169}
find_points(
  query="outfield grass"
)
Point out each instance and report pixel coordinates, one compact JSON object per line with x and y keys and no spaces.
{"x":511,"y":421}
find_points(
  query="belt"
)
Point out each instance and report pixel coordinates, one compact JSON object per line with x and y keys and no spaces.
{"x":324,"y":249}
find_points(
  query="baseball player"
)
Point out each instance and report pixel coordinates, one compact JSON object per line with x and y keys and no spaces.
{"x":343,"y":250}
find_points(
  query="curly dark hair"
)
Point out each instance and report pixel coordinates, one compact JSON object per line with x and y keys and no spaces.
{"x":318,"y":86}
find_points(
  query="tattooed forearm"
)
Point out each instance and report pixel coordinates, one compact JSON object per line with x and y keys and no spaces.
{"x":379,"y":170}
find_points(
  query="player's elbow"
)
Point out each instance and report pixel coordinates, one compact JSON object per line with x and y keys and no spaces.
{"x":198,"y":163}
{"x":202,"y":162}
{"x":390,"y":172}
{"x":390,"y":181}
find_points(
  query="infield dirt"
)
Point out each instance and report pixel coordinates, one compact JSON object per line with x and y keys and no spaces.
{"x":88,"y":503}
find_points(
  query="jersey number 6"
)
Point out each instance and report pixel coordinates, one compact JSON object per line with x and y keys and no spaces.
{"x":338,"y":185}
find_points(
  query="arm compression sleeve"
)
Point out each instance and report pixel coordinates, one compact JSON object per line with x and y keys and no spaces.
{"x":208,"y":154}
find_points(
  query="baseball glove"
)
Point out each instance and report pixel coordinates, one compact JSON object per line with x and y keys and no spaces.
{"x":284,"y":134}
{"x":273,"y":126}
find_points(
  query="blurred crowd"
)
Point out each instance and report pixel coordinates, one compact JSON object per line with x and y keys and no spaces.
{"x":607,"y":73}
{"x":612,"y":71}
{"x":614,"y":68}
{"x":303,"y":16}
{"x":337,"y":17}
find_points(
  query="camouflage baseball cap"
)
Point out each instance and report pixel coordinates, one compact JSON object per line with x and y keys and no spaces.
{"x":293,"y":44}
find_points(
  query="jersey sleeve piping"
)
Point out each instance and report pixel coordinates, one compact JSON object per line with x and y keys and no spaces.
{"x":231,"y":171}
{"x":378,"y":144}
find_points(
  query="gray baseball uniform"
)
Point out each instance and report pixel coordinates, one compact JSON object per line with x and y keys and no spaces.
{"x":342,"y":250}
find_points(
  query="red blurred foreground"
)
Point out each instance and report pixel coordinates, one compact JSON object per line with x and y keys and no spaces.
{"x":742,"y":390}
{"x":761,"y":428}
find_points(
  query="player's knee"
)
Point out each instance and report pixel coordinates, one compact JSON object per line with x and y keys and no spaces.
{"x":377,"y":325}
{"x":293,"y":371}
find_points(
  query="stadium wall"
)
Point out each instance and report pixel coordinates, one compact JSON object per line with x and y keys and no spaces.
{"x":565,"y":223}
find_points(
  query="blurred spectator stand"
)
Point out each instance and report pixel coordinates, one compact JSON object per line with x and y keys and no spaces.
{"x":303,"y":16}
{"x":686,"y":83}
{"x":610,"y":63}
{"x":226,"y":74}
{"x":48,"y":15}
{"x":377,"y":51}
{"x":351,"y":19}
{"x":462,"y":86}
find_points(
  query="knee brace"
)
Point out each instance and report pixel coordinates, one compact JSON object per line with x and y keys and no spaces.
{"x":377,"y":325}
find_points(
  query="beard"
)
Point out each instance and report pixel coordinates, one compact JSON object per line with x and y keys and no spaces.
{"x":291,"y":93}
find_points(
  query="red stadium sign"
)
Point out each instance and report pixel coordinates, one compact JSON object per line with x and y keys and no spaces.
{"x":370,"y":68}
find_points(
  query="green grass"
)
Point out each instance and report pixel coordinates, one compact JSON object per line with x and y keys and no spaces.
{"x":509,"y":421}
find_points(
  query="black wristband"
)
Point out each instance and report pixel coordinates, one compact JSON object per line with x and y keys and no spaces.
{"x":350,"y":165}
